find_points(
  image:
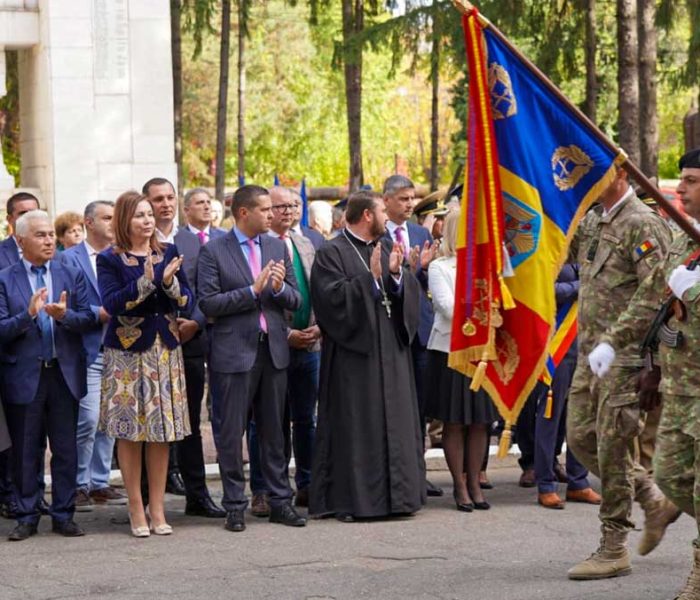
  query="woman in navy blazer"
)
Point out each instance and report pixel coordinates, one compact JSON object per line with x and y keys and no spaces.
{"x":143,"y":382}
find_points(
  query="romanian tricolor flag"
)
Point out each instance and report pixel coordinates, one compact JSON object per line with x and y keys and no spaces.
{"x":534,"y":167}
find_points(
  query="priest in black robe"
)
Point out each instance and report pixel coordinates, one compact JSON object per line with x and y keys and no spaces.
{"x":368,"y":458}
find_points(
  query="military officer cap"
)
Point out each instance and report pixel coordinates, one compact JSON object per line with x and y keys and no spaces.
{"x":432,"y":204}
{"x":690,"y":160}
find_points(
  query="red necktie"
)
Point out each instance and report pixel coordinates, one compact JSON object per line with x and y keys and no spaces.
{"x":255,"y":270}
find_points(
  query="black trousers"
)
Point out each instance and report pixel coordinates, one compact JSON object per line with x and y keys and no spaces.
{"x":190,"y":456}
{"x":419,"y":353}
{"x":264,"y":388}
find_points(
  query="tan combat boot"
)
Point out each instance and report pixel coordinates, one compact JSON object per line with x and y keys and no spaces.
{"x":691,"y":591}
{"x":610,"y":560}
{"x":659,"y":513}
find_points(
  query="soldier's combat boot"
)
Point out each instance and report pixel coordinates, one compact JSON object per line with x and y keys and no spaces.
{"x":659,"y":513}
{"x":691,"y":591}
{"x":612,"y":559}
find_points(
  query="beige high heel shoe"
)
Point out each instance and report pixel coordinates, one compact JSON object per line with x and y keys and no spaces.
{"x":162,"y":529}
{"x":140,"y":532}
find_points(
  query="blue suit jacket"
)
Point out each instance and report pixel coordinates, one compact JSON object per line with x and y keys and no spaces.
{"x":417,"y":236}
{"x":133,"y":325}
{"x":20,"y":361}
{"x":78,"y":257}
{"x":9,"y":255}
{"x":316,"y":238}
{"x":223,"y":286}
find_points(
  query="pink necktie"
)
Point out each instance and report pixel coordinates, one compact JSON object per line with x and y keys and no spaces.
{"x":255,"y":270}
{"x":202,"y":235}
{"x":284,"y":237}
{"x":400,"y":239}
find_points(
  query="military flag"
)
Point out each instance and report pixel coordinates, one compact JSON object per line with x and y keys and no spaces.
{"x":304,"y":204}
{"x":534,"y":166}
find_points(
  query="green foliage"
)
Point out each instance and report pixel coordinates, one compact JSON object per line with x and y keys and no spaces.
{"x":9,"y":118}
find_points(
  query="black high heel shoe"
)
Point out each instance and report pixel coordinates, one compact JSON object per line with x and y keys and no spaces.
{"x":462,"y":506}
{"x":483,"y":505}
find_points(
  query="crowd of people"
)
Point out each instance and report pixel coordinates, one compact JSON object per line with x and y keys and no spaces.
{"x":329,"y":344}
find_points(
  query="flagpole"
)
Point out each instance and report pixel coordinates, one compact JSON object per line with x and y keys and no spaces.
{"x":467,"y":8}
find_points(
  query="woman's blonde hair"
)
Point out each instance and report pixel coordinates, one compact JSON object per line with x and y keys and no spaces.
{"x":448,"y":245}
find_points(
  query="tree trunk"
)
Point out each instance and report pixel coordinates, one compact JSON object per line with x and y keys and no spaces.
{"x":648,"y":117}
{"x":353,"y":22}
{"x":241,"y":92}
{"x":435,"y":80}
{"x":628,"y":78}
{"x":221,"y":111}
{"x":590,"y":106}
{"x":176,"y":50}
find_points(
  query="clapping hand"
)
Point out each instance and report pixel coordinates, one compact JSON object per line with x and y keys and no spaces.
{"x":37,"y":301}
{"x":57,"y":310}
{"x":277,"y":274}
{"x":148,"y":272}
{"x":428,"y":254}
{"x":170,"y":270}
{"x":396,"y":258}
{"x":375,"y":262}
{"x":262,"y":279}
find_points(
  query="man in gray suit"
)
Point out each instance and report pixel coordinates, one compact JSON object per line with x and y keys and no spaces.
{"x":245,"y":283}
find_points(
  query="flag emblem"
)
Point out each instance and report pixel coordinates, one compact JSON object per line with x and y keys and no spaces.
{"x":644,"y":248}
{"x":570,"y":164}
{"x":503,"y":101}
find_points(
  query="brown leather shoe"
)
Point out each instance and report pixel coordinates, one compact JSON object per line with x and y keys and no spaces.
{"x":260,"y":506}
{"x":586,"y":495}
{"x":550,"y":500}
{"x":527,"y":479}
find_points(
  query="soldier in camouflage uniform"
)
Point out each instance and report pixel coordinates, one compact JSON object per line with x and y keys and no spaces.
{"x":616,"y":246}
{"x":677,"y":459}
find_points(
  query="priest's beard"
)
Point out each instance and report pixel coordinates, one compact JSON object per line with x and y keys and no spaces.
{"x":376,"y":228}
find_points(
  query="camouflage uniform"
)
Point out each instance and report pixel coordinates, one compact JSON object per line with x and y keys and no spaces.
{"x":616,"y":252}
{"x":677,"y":459}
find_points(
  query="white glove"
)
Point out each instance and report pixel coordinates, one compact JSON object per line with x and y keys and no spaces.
{"x":681,"y":280}
{"x":600,"y":359}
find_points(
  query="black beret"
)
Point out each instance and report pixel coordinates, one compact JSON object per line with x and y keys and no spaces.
{"x":690,"y":160}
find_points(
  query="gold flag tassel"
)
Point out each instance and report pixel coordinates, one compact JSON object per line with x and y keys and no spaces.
{"x":506,"y":297}
{"x":479,"y":374}
{"x":504,"y":444}
{"x":548,"y":406}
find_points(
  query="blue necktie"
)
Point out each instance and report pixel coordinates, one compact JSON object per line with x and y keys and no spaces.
{"x":44,"y":319}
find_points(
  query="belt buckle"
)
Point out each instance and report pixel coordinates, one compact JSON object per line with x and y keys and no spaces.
{"x":48,"y":364}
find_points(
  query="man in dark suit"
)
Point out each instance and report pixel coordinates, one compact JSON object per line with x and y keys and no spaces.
{"x":17,"y":205}
{"x":399,"y":198}
{"x":198,"y":214}
{"x":316,"y":238}
{"x":188,"y":459}
{"x":94,"y":447}
{"x":44,"y":309}
{"x":245,"y":283}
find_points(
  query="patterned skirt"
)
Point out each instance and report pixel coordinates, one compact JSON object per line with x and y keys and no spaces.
{"x":144,"y":398}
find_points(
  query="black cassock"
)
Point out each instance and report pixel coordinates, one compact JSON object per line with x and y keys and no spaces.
{"x":368,"y":454}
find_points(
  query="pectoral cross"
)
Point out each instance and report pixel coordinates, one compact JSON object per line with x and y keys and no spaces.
{"x":386,"y":303}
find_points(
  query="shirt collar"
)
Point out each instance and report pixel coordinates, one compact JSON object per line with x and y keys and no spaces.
{"x":628,"y":194}
{"x":242,"y":237}
{"x":167,"y":238}
{"x":28,"y":266}
{"x":391,"y":226}
{"x":358,"y":238}
{"x":89,"y":248}
{"x":196,"y":231}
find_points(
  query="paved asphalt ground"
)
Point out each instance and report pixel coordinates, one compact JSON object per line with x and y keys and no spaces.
{"x":515,"y":551}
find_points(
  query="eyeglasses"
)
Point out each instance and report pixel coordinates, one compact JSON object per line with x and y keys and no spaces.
{"x":284,"y":207}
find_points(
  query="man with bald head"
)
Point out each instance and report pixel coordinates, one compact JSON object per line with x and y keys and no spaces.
{"x":44,"y":309}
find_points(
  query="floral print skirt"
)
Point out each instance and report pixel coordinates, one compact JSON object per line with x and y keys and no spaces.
{"x":144,"y":398}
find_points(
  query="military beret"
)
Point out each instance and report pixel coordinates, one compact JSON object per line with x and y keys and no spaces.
{"x":432,"y":204}
{"x":690,"y":160}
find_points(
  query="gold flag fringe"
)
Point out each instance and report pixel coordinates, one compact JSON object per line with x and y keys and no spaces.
{"x":504,"y":445}
{"x":548,"y":406}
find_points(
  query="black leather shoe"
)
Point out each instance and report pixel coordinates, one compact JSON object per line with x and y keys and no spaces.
{"x":174,"y":484}
{"x":67,"y":528}
{"x":286,"y":515}
{"x":22,"y":532}
{"x":481,"y":505}
{"x":43,"y":506}
{"x":235,"y":520}
{"x":433,"y":490}
{"x":204,"y":507}
{"x":8,"y":510}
